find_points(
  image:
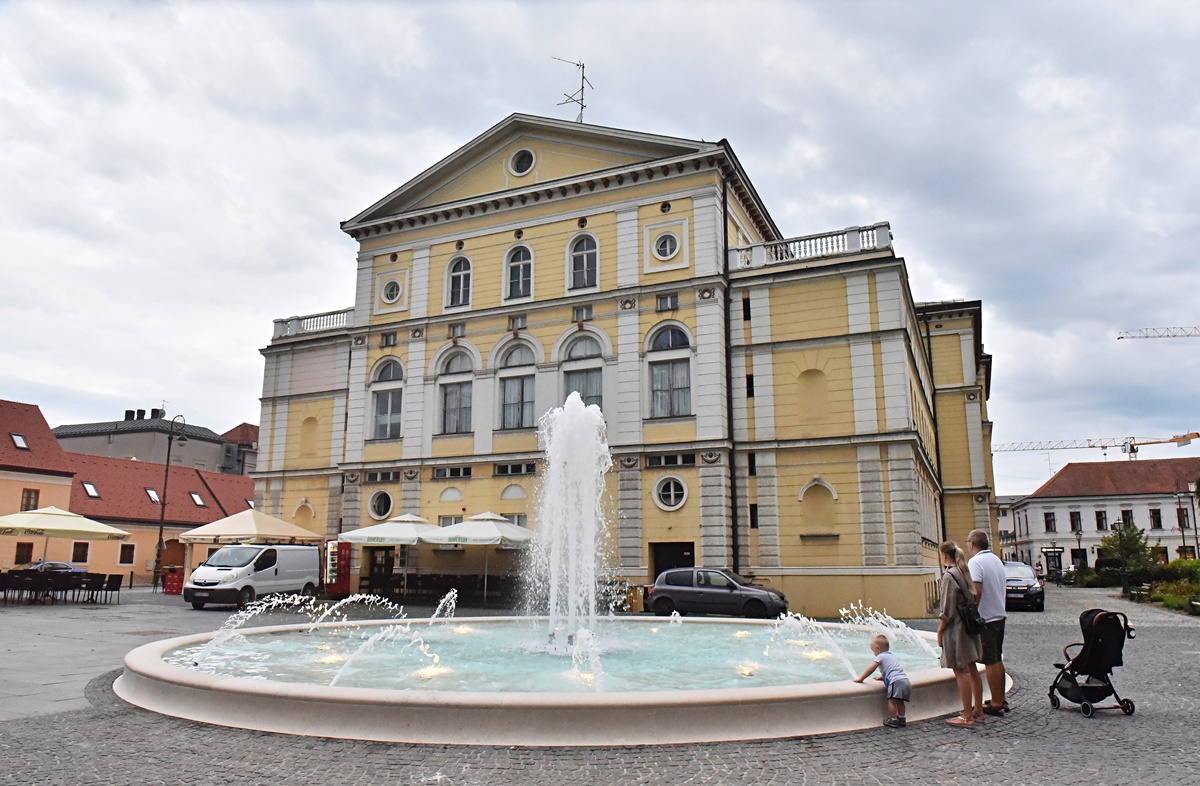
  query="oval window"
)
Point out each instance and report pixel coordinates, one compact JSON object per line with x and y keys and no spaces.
{"x":521,"y":162}
{"x":666,"y":245}
{"x":391,"y":292}
{"x":381,"y":504}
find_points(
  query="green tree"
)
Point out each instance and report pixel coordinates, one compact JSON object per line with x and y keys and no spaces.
{"x":1129,"y":545}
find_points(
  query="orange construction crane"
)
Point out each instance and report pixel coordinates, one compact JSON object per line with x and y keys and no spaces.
{"x":1128,"y":445}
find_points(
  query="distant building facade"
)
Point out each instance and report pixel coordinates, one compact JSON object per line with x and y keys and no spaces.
{"x":1063,"y":522}
{"x":143,"y":436}
{"x":777,"y":405}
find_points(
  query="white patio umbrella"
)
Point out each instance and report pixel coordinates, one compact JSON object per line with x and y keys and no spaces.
{"x":52,"y":522}
{"x":404,"y":530}
{"x":250,"y":526}
{"x":483,"y":529}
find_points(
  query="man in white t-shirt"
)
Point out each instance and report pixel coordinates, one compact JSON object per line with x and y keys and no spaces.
{"x":987,"y":572}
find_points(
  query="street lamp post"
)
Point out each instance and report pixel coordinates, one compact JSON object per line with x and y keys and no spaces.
{"x":181,"y":423}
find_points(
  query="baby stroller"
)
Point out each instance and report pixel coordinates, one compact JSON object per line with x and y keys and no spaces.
{"x":1083,"y":679}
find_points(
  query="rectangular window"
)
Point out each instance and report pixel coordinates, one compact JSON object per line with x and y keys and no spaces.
{"x":387,"y":414}
{"x":24,"y":554}
{"x":581,"y":314}
{"x":451,"y":473}
{"x":749,"y":386}
{"x":670,"y":389}
{"x":1126,"y":518}
{"x":1182,"y":515}
{"x":746,"y":307}
{"x":668,"y":302}
{"x":1076,"y":521}
{"x":671,"y":460}
{"x":197,"y":499}
{"x":19,"y":441}
{"x":152,"y":494}
{"x":387,"y":340}
{"x":517,"y":407}
{"x":90,"y":490}
{"x":79,"y":552}
{"x":29,"y":499}
{"x":526,"y":468}
{"x":1048,"y":517}
{"x":456,"y":408}
{"x":1155,"y":518}
{"x":1102,"y":519}
{"x":520,"y":519}
{"x":127,"y":554}
{"x":751,"y":464}
{"x":446,"y":521}
{"x":389,"y":476}
{"x":753,"y":515}
{"x":587,"y":383}
{"x":456,"y":330}
{"x":517,"y":322}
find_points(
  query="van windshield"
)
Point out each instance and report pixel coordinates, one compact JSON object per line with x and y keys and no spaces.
{"x":233,"y":557}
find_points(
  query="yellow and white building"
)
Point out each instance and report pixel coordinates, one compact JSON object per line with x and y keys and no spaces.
{"x":776,"y":405}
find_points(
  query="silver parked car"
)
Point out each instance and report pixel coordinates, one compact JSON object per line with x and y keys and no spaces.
{"x":712,"y":591}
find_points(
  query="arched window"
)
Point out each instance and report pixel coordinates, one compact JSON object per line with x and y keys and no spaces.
{"x":456,"y":384}
{"x":583,"y":263}
{"x":519,"y":273}
{"x":520,"y":355}
{"x":585,"y":377}
{"x":459,"y":285}
{"x":517,"y":388}
{"x":388,"y":394}
{"x":670,"y":374}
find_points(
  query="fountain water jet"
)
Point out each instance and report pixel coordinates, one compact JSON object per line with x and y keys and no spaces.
{"x":716,"y":679}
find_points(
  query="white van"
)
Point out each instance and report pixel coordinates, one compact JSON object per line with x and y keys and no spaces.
{"x":239,"y":574}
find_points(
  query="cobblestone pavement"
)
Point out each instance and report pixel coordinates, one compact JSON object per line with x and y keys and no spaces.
{"x":110,"y":742}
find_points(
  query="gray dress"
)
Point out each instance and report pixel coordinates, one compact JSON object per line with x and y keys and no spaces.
{"x":960,"y":650}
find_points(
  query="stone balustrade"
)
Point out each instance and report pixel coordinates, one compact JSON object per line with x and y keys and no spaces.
{"x":852,"y":240}
{"x":313,"y":323}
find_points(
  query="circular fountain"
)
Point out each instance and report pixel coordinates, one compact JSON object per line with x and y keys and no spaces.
{"x":573,"y":675}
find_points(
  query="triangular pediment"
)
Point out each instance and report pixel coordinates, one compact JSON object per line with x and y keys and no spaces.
{"x":557,"y":150}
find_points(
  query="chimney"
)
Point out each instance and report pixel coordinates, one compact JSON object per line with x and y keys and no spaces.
{"x":155,"y":414}
{"x":129,"y":414}
{"x":141,"y":414}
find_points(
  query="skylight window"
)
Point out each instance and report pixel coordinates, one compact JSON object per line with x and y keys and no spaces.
{"x":196,"y":498}
{"x":152,"y":494}
{"x":90,"y":489}
{"x":19,"y":441}
{"x":250,"y":502}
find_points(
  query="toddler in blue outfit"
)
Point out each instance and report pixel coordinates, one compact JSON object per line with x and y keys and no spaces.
{"x":899,"y":689}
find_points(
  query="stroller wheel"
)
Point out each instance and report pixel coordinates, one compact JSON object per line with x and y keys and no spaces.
{"x":1054,"y":701}
{"x":1087,"y":709}
{"x":1127,"y":706}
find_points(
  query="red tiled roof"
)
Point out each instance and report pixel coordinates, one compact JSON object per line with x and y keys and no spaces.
{"x":122,"y":484}
{"x":44,"y":454}
{"x":245,"y":434}
{"x":1120,"y":478}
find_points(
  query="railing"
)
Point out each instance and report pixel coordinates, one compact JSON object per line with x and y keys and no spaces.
{"x":313,"y":323}
{"x":852,"y":240}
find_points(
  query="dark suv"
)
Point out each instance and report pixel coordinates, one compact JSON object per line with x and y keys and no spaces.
{"x":712,"y":591}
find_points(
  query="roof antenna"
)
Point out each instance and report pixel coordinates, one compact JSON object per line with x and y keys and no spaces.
{"x":577,"y":96}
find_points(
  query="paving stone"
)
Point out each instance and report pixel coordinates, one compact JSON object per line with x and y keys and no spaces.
{"x":110,"y":742}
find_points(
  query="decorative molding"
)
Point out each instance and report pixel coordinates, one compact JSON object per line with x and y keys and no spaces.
{"x":411,"y":474}
{"x":707,"y":293}
{"x":710,"y":457}
{"x":972,"y":396}
{"x":629,"y":462}
{"x":627,"y":304}
{"x":418,"y":333}
{"x":352,"y":478}
{"x":360,"y":340}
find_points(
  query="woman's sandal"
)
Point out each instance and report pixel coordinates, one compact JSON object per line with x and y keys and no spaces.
{"x":960,"y":722}
{"x":991,"y":709}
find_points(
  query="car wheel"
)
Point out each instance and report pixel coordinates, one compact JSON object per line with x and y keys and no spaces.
{"x":663,"y":607}
{"x":245,"y":597}
{"x":197,"y":605}
{"x":1040,"y":607}
{"x":756,"y":609}
{"x":309,"y":591}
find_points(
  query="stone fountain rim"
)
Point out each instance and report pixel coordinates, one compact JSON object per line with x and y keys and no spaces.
{"x":558,"y":719}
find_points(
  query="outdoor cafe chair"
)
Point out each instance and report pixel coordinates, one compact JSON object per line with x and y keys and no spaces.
{"x":93,"y":585}
{"x":113,"y":584}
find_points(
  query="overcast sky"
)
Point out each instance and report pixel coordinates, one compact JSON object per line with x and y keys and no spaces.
{"x":172,"y":175}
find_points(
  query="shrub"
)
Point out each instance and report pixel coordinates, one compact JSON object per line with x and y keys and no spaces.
{"x":1107,"y":562}
{"x":1177,"y":602}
